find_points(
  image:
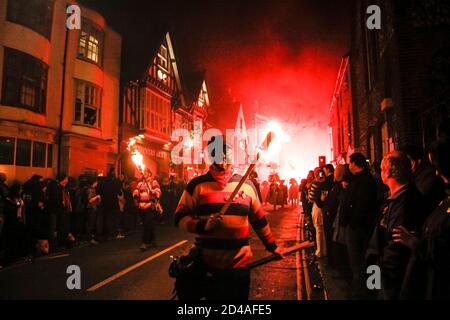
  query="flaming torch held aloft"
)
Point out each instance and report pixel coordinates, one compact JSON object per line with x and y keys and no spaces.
{"x":138,"y":160}
{"x":136,"y":156}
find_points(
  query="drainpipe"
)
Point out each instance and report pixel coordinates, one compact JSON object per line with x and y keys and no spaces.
{"x":61,"y":114}
{"x":122,"y":92}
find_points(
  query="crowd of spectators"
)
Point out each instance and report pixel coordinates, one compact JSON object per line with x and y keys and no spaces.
{"x":42,"y":216}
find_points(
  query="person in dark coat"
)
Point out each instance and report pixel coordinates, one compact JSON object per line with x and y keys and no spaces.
{"x":273,"y":197}
{"x":324,"y":202}
{"x":359,"y":216}
{"x":79,"y":203}
{"x":306,"y":204}
{"x":303,"y":190}
{"x":338,"y":259}
{"x":429,"y":185}
{"x":109,"y":189}
{"x":130,"y":209}
{"x":17,"y":238}
{"x":93,"y":201}
{"x":264,"y":188}
{"x":427,"y":275}
{"x":59,"y":207}
{"x":337,"y":252}
{"x":168,"y":198}
{"x":404,"y":206}
{"x":34,"y":197}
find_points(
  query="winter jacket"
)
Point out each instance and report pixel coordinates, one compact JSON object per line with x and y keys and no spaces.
{"x":360,"y":210}
{"x":427,"y":275}
{"x":405,"y":208}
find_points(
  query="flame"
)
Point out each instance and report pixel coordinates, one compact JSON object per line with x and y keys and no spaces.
{"x":138,"y":160}
{"x":131,"y":143}
{"x":280,"y":137}
{"x":136,"y":156}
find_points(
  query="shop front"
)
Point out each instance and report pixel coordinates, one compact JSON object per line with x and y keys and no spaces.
{"x":26,"y":150}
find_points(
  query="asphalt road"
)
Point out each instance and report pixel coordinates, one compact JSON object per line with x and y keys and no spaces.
{"x":143,"y":275}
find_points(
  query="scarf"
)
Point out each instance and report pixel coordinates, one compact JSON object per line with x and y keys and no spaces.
{"x":222,"y":177}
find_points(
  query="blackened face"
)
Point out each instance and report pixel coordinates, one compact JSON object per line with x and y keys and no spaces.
{"x":222,"y":166}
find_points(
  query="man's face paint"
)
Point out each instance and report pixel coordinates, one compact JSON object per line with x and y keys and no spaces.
{"x":225,"y":164}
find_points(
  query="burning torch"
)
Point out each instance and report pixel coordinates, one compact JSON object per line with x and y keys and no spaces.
{"x":138,"y":160}
{"x":264,"y":147}
{"x":301,"y":246}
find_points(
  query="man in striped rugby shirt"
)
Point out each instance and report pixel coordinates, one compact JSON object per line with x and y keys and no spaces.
{"x":223,"y":240}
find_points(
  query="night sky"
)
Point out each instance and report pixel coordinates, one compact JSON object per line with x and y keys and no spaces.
{"x":283,"y":54}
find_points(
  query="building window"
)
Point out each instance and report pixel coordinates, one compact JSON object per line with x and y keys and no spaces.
{"x":33,"y":14}
{"x":159,"y":113}
{"x":24,"y":81}
{"x":87,"y":103}
{"x":7,"y":145}
{"x":163,"y":58}
{"x":23,"y":153}
{"x":162,"y":65}
{"x":39,"y":150}
{"x":26,"y":152}
{"x":27,"y":92}
{"x":162,"y":70}
{"x":91,"y":42}
{"x":49,"y":156}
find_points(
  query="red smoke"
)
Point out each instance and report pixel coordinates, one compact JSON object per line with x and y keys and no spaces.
{"x":292,"y":87}
{"x":283,"y":54}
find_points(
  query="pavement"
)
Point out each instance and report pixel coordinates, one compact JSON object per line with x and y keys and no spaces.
{"x":118,"y":270}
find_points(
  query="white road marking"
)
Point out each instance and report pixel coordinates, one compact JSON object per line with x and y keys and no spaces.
{"x":133,"y":267}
